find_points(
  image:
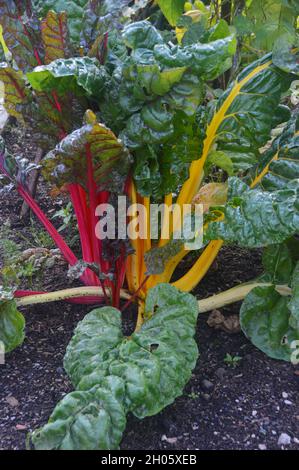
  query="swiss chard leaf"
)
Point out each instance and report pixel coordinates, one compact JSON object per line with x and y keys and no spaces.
{"x":22,"y":35}
{"x":68,"y":162}
{"x":141,"y":374}
{"x":242,"y":123}
{"x":77,"y":75}
{"x":12,"y":322}
{"x":55,"y":36}
{"x":256,"y":218}
{"x":265,"y":319}
{"x":280,"y":164}
{"x":16,"y":92}
{"x":73,"y":8}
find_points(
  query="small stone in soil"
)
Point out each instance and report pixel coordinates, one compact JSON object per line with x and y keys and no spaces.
{"x":284,"y":439}
{"x":21,"y":427}
{"x":170,"y":440}
{"x":288,"y":402}
{"x":207,"y":385}
{"x":12,"y":401}
{"x":285,"y":395}
{"x":262,"y":447}
{"x":220,"y":373}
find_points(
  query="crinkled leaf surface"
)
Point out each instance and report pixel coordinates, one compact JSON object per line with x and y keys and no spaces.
{"x":12,"y":322}
{"x":114,"y":375}
{"x":68,"y":162}
{"x":242,"y":123}
{"x":256,"y":218}
{"x":64,"y":75}
{"x":280,"y":164}
{"x":265,"y":320}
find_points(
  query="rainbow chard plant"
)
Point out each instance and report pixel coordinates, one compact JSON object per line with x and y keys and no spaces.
{"x":129,"y":115}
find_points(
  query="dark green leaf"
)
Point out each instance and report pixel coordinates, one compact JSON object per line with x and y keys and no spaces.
{"x":69,"y":75}
{"x":141,"y":35}
{"x":115,"y":375}
{"x":294,"y":302}
{"x":256,"y":218}
{"x":12,"y":322}
{"x":265,"y":318}
{"x":278,"y":263}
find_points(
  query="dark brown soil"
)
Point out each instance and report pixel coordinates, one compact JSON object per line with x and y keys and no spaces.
{"x":246,"y":407}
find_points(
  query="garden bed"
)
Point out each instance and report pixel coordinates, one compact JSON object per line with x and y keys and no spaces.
{"x":246,"y":407}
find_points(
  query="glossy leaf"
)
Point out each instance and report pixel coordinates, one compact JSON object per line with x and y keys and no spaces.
{"x":209,"y":60}
{"x":265,"y":320}
{"x":88,"y":420}
{"x":68,"y":162}
{"x":75,"y":75}
{"x":278,"y":263}
{"x":256,"y":218}
{"x":12,"y":322}
{"x":55,"y":36}
{"x":141,"y":35}
{"x":280,"y":164}
{"x":242,"y":122}
{"x":141,"y":374}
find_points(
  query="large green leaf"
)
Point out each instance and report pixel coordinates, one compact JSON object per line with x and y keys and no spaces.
{"x":159,"y":92}
{"x":65,"y":75}
{"x":280,"y":164}
{"x":265,"y":320}
{"x":115,"y":374}
{"x":278,"y":263}
{"x":256,"y":218}
{"x":88,"y":420}
{"x":268,"y":21}
{"x":172,"y":10}
{"x":242,"y":115}
{"x":12,"y":322}
{"x":69,"y":161}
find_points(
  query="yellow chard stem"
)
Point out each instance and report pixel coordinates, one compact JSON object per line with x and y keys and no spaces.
{"x":65,"y":294}
{"x":235,"y":295}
